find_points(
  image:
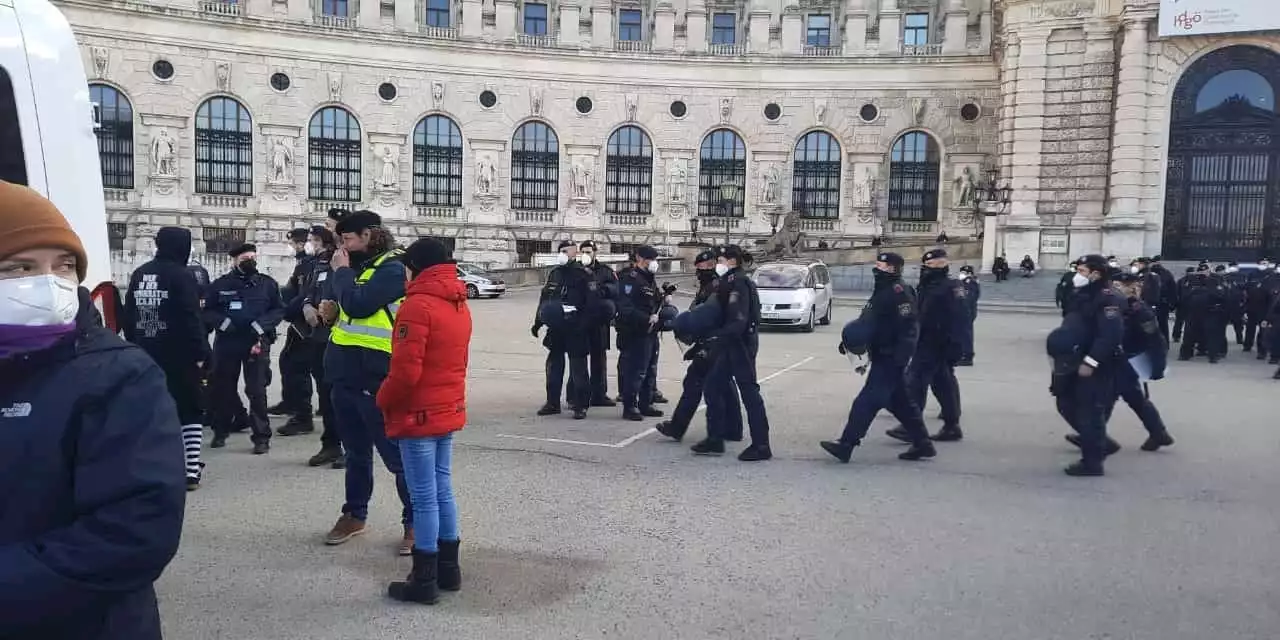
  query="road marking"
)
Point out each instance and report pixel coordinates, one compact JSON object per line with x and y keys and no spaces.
{"x":643,"y":434}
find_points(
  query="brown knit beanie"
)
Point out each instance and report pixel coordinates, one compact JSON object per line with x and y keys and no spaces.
{"x":29,"y":221}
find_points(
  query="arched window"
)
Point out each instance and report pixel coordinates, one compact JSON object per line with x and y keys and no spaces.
{"x":723,"y":158}
{"x":913,"y":178}
{"x":224,"y":148}
{"x":115,"y":136}
{"x":535,"y":168}
{"x":437,"y":163}
{"x":815,"y":183}
{"x":628,"y":183}
{"x":334,"y":156}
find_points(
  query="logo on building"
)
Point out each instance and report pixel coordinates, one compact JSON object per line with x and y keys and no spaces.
{"x":1187,"y":20}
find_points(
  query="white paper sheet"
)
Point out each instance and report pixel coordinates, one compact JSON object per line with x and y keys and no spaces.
{"x":1141,"y":364}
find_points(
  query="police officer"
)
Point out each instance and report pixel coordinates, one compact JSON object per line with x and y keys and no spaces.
{"x":1234,"y":309}
{"x":312,"y":291}
{"x":367,"y":288}
{"x":695,"y":377}
{"x":568,"y":306}
{"x":945,"y":335}
{"x":295,"y":370}
{"x":244,"y":308}
{"x":1062,"y":294}
{"x":599,"y":334}
{"x":1182,"y":310}
{"x":162,"y":315}
{"x":638,"y":302}
{"x":1257,"y":294}
{"x":1168,"y":295}
{"x":1151,"y":286}
{"x":892,"y":312}
{"x":1083,"y":394}
{"x":973,"y":292}
{"x":1204,"y":302}
{"x":733,"y":349}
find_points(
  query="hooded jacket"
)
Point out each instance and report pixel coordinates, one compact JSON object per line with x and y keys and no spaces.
{"x":162,"y":307}
{"x":92,"y":488}
{"x":425,"y":393}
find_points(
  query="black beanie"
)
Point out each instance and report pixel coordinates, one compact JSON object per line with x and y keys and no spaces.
{"x":424,"y":254}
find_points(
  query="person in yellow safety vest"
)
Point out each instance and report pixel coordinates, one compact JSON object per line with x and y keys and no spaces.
{"x":366,"y":289}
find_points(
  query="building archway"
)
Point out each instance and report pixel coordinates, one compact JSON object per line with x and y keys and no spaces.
{"x":1222,"y":193}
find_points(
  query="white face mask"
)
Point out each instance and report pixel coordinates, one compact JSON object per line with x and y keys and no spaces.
{"x":1232,"y":269}
{"x":562,"y":258}
{"x":1079,"y":280}
{"x":309,"y":249}
{"x":1113,"y":264}
{"x":1134,"y":269}
{"x":652,"y":266}
{"x":38,"y":301}
{"x":722,"y":269}
{"x":585,"y":258}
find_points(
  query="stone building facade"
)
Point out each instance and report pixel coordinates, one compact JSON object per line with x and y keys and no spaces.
{"x":505,"y":126}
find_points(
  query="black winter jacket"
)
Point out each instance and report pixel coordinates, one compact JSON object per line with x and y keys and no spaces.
{"x":92,"y":488}
{"x":162,"y":307}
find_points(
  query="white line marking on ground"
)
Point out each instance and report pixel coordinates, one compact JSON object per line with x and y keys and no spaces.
{"x":560,"y":441}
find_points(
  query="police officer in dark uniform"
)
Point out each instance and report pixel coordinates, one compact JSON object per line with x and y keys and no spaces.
{"x":312,"y":290}
{"x":638,"y":303}
{"x":1151,"y":285}
{"x":1062,"y":294}
{"x":244,"y":308}
{"x":892,"y":312}
{"x":564,"y":307}
{"x":1182,"y":310}
{"x":1084,"y":379}
{"x":1234,"y":309}
{"x":733,"y":349}
{"x":973,"y":292}
{"x":945,"y":335}
{"x":295,"y":369}
{"x":599,"y":333}
{"x":1168,"y":295}
{"x":1257,"y":294}
{"x":695,"y":377}
{"x":1204,"y":302}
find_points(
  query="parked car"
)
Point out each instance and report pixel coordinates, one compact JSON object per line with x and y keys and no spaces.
{"x":480,"y":283}
{"x":794,"y":293}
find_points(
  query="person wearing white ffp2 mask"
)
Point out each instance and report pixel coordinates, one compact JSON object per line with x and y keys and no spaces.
{"x":93,"y":546}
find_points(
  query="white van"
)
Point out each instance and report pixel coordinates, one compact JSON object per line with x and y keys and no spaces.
{"x":47,"y":126}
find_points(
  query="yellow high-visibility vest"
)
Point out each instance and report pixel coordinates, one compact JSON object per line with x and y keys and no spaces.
{"x":373,"y":332}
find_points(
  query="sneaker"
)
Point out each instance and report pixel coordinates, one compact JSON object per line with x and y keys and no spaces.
{"x":548,"y":410}
{"x":193,"y":483}
{"x":261,"y":448}
{"x":755,"y":453}
{"x":1154,"y":442}
{"x":708,"y":447}
{"x":344,"y":529}
{"x":406,"y":542}
{"x":327,"y":455}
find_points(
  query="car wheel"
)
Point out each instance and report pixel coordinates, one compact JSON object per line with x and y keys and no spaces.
{"x":813,"y":315}
{"x":826,"y":318}
{"x":472,"y":292}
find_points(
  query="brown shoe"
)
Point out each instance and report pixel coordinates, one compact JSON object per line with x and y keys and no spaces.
{"x":345,"y":529}
{"x":406,"y":543}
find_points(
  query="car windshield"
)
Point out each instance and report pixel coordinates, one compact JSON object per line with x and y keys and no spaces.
{"x":780,"y":276}
{"x":470,"y":269}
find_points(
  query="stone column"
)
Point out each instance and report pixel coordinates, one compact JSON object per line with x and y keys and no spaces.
{"x":855,"y":27}
{"x":1009,"y":92}
{"x":505,"y":19}
{"x":890,"y":27}
{"x":1126,"y":220}
{"x":1022,"y":228}
{"x":569,"y":34}
{"x":602,"y":24}
{"x":472,"y":18}
{"x":407,"y":15}
{"x":792,"y":31}
{"x":759,"y":30}
{"x":984,"y":28}
{"x":664,"y":27}
{"x":955,"y":34}
{"x":370,"y":14}
{"x":695,"y":21}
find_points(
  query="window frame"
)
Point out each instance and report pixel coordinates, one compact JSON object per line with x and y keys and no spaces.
{"x":825,"y":32}
{"x":215,"y":172}
{"x":432,"y":15}
{"x":331,"y":8}
{"x":541,"y":191}
{"x":628,"y":187}
{"x":916,"y":30}
{"x":714,"y":170}
{"x":815,"y":175}
{"x":731,"y":30}
{"x":116,"y":146}
{"x":428,"y":156}
{"x":638,"y":25}
{"x":545,"y":19}
{"x":350,"y":150}
{"x":914,"y":178}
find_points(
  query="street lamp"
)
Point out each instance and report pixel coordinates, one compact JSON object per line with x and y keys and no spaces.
{"x":774,"y":217}
{"x":693,"y":227}
{"x":728,"y":197}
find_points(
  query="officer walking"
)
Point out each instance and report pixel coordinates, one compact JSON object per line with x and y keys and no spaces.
{"x":162,"y":315}
{"x":945,"y":335}
{"x":600,"y":333}
{"x":1062,"y":294}
{"x":636,"y":323}
{"x":1182,"y":310}
{"x":733,"y":349}
{"x":295,"y":370}
{"x":1257,"y":293}
{"x":567,"y":307}
{"x":1234,"y":310}
{"x":367,"y":288}
{"x":244,"y":308}
{"x":312,"y":291}
{"x":1084,"y":375}
{"x":1152,"y":293}
{"x":1168,"y":295}
{"x":973,"y":293}
{"x":695,"y":377}
{"x":891,"y":313}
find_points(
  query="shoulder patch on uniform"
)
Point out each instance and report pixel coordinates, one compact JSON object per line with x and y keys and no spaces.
{"x":626,"y":288}
{"x":1111,"y":311}
{"x":402,"y":331}
{"x":897,"y":288}
{"x":904,"y":309}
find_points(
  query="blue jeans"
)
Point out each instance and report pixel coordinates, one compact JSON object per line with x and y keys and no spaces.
{"x":359,"y":423}
{"x":428,"y":464}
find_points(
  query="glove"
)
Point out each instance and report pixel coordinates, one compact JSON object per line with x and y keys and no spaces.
{"x":841,"y":349}
{"x":535,"y":329}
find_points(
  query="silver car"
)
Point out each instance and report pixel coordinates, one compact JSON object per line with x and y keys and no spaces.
{"x":794,"y":293}
{"x":480,"y":283}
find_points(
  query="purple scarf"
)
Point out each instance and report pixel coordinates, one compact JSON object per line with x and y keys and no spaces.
{"x":18,"y":339}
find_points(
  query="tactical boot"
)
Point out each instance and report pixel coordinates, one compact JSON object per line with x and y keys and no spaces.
{"x":650,"y":412}
{"x":448,"y":571}
{"x":899,"y":433}
{"x":1157,"y":440}
{"x":219,"y":441}
{"x":327,"y":455}
{"x":603,"y":402}
{"x":549,"y":410}
{"x":1082,"y":469}
{"x":755,"y":453}
{"x":658,"y":398}
{"x":579,"y":414}
{"x":840,"y":450}
{"x":709,"y":447}
{"x":296,"y":426}
{"x":420,"y":586}
{"x":630,"y":413}
{"x":948,"y":433}
{"x":279,"y":409}
{"x":668,"y":429}
{"x":918,"y":451}
{"x":260,"y":448}
{"x":1111,"y":448}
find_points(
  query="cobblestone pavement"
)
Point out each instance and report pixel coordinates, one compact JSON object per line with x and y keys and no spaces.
{"x":598,"y":529}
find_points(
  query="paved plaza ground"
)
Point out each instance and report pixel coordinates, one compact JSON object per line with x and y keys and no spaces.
{"x":601,"y":529}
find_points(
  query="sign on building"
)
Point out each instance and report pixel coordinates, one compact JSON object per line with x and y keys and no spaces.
{"x":1053,"y":243}
{"x":1204,"y":17}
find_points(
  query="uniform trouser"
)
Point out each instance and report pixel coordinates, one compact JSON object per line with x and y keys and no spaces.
{"x":598,"y":364}
{"x":230,"y":356}
{"x":1083,"y":403}
{"x":651,"y":376}
{"x":1179,"y":320}
{"x":1129,"y":388}
{"x":314,"y":350}
{"x":1194,"y":334}
{"x":930,"y":369}
{"x":635,"y":354}
{"x":578,"y":391}
{"x":1253,"y":334}
{"x":885,"y":388}
{"x":1162,"y":319}
{"x":734,"y":364}
{"x":1215,"y":331}
{"x":241,"y":416}
{"x":359,"y":422}
{"x":1237,"y":323}
{"x":295,"y":375}
{"x":693,"y":389}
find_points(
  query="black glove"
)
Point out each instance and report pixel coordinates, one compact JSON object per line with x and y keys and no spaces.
{"x":536,"y":328}
{"x":841,"y":349}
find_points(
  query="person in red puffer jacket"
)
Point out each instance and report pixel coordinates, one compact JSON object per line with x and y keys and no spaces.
{"x":423,"y":401}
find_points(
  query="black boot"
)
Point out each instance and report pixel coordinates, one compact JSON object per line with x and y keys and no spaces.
{"x":650,"y":412}
{"x":549,"y":410}
{"x":1157,"y":440}
{"x":1110,"y":448}
{"x":1084,"y":469}
{"x":840,"y":450}
{"x":420,"y":586}
{"x":919,"y":450}
{"x":948,"y":433}
{"x":899,"y":433}
{"x":630,"y":413}
{"x":297,"y":425}
{"x":669,"y":430}
{"x":709,"y":447}
{"x":279,"y":409}
{"x":327,"y":455}
{"x":448,"y":572}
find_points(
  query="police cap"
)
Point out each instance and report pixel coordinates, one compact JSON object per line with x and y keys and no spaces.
{"x":933,"y":255}
{"x":732,"y":251}
{"x":1095,"y":262}
{"x":358,"y":221}
{"x":1191,"y":270}
{"x":706,"y":255}
{"x":1220,"y":268}
{"x":1142,"y":260}
{"x":1156,"y":258}
{"x":1124,"y":277}
{"x":247,"y":247}
{"x":968,"y":268}
{"x":891,"y":258}
{"x":299,"y":234}
{"x":564,"y":244}
{"x":856,"y":335}
{"x":646,"y":252}
{"x":698,"y":322}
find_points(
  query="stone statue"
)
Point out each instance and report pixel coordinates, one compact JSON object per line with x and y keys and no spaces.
{"x":786,"y":240}
{"x":583,"y":179}
{"x":677,"y":180}
{"x":222,"y":71}
{"x":535,"y":102}
{"x":860,"y":194}
{"x":769,"y":178}
{"x":281,"y":160}
{"x":726,"y":109}
{"x":100,"y":59}
{"x":965,"y":188}
{"x":820,"y":111}
{"x":632,"y":106}
{"x":486,"y":177}
{"x":390,"y":176}
{"x":335,"y":87}
{"x":164,"y":155}
{"x":437,"y":92}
